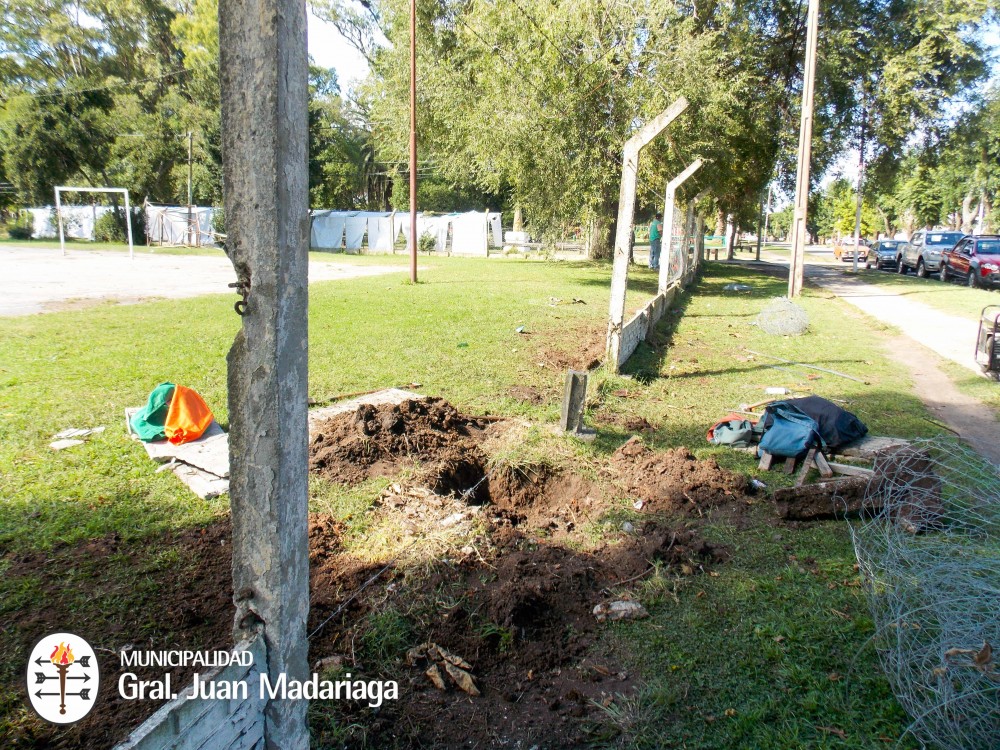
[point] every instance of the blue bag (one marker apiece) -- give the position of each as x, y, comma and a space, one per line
791, 432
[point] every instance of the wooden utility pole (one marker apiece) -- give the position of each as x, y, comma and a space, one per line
413, 141
799, 231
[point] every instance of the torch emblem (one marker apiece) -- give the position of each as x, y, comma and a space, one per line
62, 678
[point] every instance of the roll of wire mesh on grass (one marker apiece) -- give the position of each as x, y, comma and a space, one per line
928, 551
782, 317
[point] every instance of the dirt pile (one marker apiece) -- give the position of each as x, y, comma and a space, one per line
674, 480
382, 440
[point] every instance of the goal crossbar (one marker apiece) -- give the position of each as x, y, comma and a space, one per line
60, 189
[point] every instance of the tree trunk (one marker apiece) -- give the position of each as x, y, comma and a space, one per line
731, 232
518, 219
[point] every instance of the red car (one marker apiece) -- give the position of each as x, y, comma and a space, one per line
976, 259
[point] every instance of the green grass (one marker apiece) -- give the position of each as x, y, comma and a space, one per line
455, 333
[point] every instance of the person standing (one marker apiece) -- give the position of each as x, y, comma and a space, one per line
655, 241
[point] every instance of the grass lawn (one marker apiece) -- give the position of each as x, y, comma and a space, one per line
770, 652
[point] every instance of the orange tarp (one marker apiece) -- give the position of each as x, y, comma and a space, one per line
188, 416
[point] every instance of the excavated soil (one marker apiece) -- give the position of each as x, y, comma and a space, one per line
675, 481
383, 440
517, 606
587, 352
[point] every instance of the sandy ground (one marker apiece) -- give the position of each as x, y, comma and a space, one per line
950, 336
34, 280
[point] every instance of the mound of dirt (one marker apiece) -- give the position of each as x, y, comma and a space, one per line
674, 480
382, 440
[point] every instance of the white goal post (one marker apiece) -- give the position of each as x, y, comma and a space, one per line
68, 189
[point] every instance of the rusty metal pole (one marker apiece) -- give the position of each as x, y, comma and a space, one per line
413, 141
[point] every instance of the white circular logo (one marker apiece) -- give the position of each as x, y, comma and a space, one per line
63, 678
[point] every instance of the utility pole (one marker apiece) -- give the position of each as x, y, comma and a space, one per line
805, 151
413, 141
190, 200
861, 179
767, 211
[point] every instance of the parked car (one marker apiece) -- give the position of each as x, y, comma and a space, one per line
976, 259
883, 254
923, 252
845, 249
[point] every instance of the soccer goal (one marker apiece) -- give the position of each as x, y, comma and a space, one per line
68, 189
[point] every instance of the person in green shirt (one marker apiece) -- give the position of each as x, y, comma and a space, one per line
655, 240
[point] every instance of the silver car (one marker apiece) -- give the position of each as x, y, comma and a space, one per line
923, 252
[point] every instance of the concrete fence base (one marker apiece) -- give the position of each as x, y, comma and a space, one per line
638, 327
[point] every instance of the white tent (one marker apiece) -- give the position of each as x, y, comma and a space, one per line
180, 225
78, 221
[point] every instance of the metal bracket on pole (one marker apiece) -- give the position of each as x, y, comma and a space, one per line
626, 211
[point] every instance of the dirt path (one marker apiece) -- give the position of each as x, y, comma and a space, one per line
969, 417
34, 280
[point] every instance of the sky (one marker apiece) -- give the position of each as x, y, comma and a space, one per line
329, 49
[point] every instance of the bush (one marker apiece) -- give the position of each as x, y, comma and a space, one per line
21, 230
427, 242
110, 227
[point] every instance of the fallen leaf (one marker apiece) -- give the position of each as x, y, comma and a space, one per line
831, 730
984, 656
462, 678
434, 674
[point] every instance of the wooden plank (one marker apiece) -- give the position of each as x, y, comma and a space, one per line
807, 464
386, 396
789, 465
823, 465
853, 471
868, 446
766, 459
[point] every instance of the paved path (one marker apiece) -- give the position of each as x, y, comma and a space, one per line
34, 280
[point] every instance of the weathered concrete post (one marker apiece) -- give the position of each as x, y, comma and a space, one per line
668, 221
623, 235
264, 136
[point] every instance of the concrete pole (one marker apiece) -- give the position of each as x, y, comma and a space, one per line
263, 76
669, 201
191, 235
62, 234
413, 142
861, 179
805, 151
623, 233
